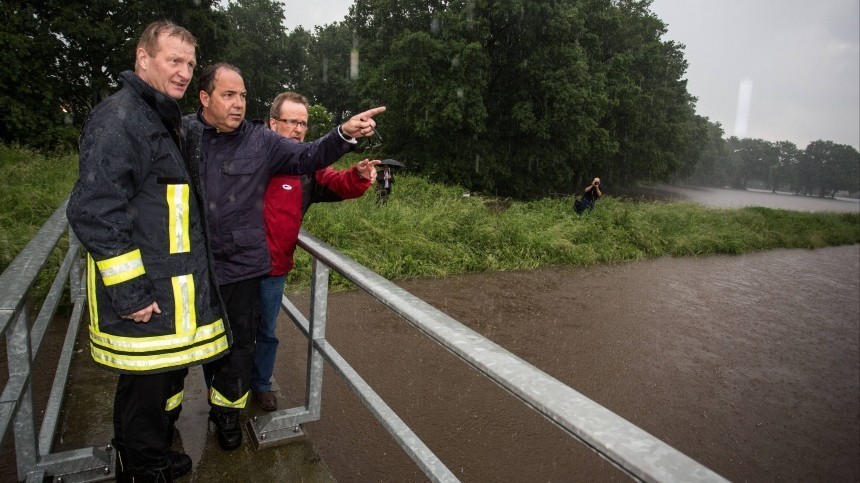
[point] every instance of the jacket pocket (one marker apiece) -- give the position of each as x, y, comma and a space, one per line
250, 246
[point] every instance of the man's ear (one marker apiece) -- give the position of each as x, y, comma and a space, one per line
272, 124
204, 98
142, 58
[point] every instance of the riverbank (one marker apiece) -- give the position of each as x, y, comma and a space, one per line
429, 230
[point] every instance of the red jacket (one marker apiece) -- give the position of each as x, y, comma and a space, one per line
289, 197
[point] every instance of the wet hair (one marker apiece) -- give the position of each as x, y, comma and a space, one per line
207, 78
288, 96
149, 38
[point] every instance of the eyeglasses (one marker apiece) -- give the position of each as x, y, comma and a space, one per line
292, 122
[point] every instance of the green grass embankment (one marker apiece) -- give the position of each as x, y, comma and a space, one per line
431, 230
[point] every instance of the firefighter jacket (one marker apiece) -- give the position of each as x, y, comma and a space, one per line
288, 199
135, 211
234, 169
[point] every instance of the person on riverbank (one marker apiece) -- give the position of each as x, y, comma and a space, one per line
234, 161
383, 187
287, 199
589, 196
153, 310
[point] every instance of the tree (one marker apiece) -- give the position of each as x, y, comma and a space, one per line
319, 122
33, 111
329, 74
257, 46
68, 55
527, 98
828, 167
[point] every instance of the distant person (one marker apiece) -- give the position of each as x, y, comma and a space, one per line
589, 197
287, 199
153, 307
383, 184
235, 160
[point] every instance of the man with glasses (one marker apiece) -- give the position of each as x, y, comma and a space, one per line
287, 200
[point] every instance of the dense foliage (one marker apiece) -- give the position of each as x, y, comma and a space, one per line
511, 97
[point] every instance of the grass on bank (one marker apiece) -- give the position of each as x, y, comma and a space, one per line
32, 187
431, 230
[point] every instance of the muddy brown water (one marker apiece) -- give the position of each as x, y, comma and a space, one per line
748, 364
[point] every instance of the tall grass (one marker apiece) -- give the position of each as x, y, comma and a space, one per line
33, 186
431, 230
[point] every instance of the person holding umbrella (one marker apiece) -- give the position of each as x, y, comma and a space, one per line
386, 179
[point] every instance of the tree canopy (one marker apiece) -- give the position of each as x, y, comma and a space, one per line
510, 97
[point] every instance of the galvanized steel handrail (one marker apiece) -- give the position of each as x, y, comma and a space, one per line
631, 449
34, 459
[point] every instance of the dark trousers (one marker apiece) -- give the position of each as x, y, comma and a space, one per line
231, 375
142, 425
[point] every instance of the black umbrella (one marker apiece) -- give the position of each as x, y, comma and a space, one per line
392, 162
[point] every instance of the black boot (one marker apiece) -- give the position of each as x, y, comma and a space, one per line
227, 426
120, 473
180, 464
161, 475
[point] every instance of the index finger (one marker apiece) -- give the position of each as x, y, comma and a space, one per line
372, 112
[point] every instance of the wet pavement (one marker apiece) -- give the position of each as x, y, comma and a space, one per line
88, 413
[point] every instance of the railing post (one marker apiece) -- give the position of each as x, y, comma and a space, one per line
75, 286
20, 360
318, 309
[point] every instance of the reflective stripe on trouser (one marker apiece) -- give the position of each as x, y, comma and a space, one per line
231, 374
142, 421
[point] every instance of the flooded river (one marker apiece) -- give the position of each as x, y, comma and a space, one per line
748, 364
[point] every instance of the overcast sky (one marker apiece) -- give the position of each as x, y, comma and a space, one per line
794, 65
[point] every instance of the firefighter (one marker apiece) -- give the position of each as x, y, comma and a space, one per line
153, 302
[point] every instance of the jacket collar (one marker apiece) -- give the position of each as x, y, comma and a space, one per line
166, 106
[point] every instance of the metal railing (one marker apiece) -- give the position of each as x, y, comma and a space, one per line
34, 460
629, 448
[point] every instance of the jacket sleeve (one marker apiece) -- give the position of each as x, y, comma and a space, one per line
99, 211
347, 184
289, 157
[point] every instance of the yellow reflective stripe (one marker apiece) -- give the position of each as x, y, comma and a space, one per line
174, 401
157, 343
122, 268
218, 399
183, 303
151, 362
92, 301
177, 218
